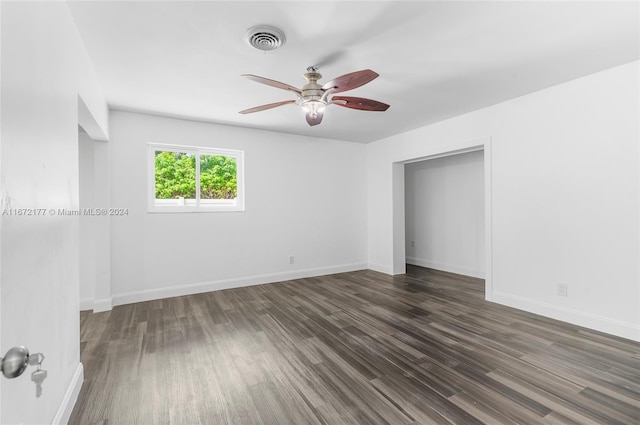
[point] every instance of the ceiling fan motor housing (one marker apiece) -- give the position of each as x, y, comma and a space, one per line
312, 98
312, 90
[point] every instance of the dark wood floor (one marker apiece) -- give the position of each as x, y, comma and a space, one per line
353, 348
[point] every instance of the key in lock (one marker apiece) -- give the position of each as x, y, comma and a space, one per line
14, 363
38, 376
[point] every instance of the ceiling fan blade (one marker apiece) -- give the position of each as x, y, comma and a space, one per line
350, 81
314, 120
272, 83
267, 106
359, 103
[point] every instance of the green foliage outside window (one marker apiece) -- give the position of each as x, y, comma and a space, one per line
175, 176
218, 177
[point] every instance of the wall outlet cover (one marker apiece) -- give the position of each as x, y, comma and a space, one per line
563, 289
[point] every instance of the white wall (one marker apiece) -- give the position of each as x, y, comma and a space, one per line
1, 197
86, 225
444, 213
564, 197
101, 228
95, 230
44, 70
304, 197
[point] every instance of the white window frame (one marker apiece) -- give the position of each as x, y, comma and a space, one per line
197, 205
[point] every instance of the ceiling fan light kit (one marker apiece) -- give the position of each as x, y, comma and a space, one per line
313, 97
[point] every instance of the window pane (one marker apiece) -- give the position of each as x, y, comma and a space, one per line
218, 177
175, 176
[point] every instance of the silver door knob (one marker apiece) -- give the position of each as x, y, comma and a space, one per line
14, 362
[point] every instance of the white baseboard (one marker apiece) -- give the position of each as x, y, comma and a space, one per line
445, 267
380, 268
105, 304
86, 304
198, 288
603, 324
70, 397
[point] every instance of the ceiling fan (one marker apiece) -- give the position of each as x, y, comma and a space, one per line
313, 97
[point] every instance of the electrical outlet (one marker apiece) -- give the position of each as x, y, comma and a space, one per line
413, 244
563, 289
291, 259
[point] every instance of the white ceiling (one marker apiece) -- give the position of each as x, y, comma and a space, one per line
436, 59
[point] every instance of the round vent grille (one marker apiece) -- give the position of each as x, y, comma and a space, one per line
263, 37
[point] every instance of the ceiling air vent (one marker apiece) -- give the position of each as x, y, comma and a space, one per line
264, 37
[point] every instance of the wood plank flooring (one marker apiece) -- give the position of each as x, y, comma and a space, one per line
352, 348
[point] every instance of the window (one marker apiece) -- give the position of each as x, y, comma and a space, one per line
185, 178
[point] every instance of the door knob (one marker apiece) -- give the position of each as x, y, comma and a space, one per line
14, 362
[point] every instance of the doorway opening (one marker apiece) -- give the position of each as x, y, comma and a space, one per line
444, 214
441, 248
94, 229
86, 225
